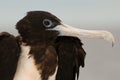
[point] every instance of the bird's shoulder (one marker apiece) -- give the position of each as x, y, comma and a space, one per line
9, 45
9, 54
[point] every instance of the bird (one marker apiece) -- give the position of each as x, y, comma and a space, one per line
45, 49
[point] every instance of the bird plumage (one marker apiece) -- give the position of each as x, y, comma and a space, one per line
45, 47
9, 54
70, 57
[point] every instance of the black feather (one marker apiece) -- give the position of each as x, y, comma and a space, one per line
70, 57
9, 54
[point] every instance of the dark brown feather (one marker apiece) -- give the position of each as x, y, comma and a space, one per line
70, 57
45, 59
9, 54
45, 48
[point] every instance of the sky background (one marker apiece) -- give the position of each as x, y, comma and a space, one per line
102, 60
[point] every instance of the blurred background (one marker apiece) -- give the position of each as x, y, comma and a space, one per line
102, 60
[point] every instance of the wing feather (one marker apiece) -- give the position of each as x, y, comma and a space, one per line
9, 54
71, 56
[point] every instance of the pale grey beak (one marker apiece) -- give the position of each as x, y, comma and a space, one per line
66, 30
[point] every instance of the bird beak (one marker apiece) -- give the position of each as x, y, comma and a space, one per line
66, 30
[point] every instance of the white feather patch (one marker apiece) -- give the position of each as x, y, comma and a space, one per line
26, 69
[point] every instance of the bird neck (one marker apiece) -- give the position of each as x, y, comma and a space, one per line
47, 37
33, 41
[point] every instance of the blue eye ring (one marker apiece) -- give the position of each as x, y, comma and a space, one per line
47, 23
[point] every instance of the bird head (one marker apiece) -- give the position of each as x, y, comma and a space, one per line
44, 26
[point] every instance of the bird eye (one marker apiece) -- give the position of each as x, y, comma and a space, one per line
47, 23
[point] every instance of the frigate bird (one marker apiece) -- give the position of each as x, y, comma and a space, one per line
45, 49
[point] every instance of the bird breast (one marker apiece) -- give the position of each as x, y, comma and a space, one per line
26, 68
